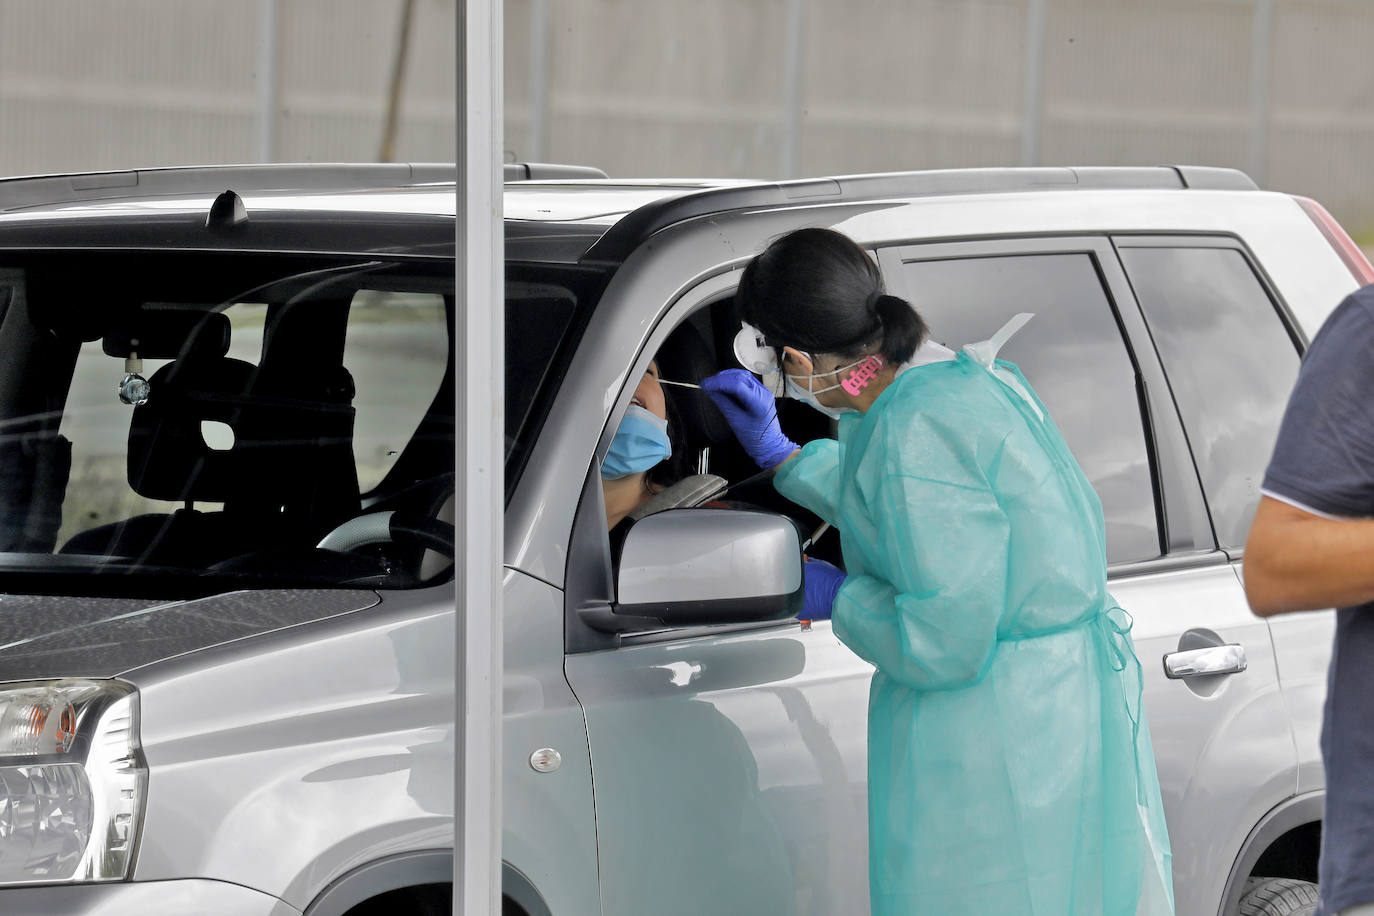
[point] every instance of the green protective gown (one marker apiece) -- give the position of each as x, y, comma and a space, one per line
1010, 768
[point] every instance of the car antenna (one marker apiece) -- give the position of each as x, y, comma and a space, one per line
227, 212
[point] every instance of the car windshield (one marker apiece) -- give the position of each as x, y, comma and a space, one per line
183, 423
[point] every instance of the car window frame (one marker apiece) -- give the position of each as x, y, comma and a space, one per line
589, 581
1220, 240
1182, 517
1223, 241
1184, 522
590, 283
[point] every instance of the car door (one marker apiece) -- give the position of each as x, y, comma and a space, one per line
1232, 353
728, 762
1222, 747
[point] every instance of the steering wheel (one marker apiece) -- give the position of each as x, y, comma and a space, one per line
391, 528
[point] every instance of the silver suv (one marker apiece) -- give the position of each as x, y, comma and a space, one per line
226, 479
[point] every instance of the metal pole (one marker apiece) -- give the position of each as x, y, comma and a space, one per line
1032, 100
479, 402
269, 28
794, 72
1261, 53
387, 151
539, 81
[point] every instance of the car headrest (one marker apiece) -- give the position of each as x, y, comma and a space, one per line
685, 357
278, 441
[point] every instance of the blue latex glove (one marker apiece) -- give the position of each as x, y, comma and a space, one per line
752, 412
822, 582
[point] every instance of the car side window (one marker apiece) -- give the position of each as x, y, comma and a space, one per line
396, 351
1231, 364
539, 316
1073, 354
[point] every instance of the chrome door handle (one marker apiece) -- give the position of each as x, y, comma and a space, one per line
1229, 659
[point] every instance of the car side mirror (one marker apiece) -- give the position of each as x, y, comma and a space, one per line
709, 566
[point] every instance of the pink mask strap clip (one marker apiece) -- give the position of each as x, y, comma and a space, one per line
862, 376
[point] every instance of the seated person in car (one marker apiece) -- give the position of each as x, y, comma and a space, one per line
649, 466
639, 465
643, 474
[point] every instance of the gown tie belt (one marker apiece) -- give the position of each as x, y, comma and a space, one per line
1112, 630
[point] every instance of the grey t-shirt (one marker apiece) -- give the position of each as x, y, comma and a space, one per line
1324, 463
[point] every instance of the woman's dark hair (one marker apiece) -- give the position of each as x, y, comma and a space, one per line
816, 290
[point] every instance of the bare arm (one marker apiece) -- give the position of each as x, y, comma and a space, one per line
1297, 561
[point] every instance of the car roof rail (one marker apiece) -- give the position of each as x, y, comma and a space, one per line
38, 190
627, 234
549, 171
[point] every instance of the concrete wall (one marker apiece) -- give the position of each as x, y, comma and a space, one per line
94, 84
644, 87
704, 87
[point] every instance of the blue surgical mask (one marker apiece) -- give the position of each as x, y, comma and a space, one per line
640, 443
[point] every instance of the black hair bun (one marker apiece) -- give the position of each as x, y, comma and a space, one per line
902, 328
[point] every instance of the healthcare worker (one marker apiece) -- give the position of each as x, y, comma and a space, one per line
1010, 768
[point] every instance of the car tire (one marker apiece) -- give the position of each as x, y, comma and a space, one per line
1278, 897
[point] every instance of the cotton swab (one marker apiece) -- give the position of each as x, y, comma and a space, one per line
815, 535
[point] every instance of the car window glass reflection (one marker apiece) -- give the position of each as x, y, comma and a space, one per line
1072, 352
396, 350
1231, 364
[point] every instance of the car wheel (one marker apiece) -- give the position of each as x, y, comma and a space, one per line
1278, 897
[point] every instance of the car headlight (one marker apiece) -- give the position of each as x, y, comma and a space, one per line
72, 781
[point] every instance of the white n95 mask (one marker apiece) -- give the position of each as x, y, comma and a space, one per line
798, 393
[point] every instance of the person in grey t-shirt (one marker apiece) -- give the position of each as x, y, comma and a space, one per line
1312, 546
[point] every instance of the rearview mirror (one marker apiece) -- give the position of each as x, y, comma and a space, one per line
157, 331
704, 566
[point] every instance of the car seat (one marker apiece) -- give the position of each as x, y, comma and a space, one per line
287, 478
